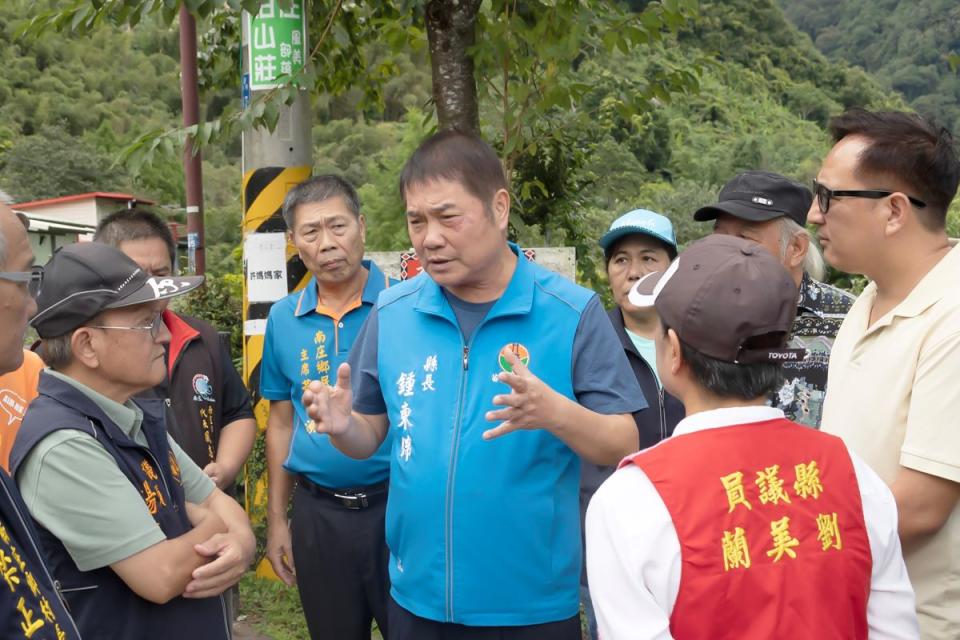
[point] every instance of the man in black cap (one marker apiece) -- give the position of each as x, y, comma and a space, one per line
29, 601
133, 527
771, 210
785, 534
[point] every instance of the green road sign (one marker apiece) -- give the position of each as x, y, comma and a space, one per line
277, 43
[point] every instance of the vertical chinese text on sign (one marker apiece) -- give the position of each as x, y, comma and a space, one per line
277, 42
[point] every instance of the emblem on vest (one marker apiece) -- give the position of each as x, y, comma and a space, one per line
202, 389
519, 350
12, 404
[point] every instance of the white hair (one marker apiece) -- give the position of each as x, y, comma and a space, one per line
813, 262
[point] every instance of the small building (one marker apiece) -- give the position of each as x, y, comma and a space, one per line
59, 221
46, 236
81, 208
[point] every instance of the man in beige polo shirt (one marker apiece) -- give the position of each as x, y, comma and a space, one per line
894, 378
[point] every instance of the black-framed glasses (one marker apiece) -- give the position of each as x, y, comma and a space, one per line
824, 195
153, 327
33, 279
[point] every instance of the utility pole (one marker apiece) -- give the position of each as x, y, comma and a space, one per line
274, 44
192, 162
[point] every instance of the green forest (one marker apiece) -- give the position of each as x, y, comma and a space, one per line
906, 46
764, 94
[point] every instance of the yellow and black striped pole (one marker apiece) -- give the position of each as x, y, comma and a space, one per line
263, 193
273, 162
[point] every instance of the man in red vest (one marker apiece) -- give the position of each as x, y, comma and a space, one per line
743, 525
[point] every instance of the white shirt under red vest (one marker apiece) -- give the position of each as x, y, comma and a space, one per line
634, 559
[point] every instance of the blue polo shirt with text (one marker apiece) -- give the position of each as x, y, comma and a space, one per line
305, 342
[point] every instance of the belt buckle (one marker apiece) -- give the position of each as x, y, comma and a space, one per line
355, 501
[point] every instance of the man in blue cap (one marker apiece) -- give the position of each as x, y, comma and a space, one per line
638, 243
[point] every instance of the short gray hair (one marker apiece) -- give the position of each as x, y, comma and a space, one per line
57, 352
813, 262
319, 189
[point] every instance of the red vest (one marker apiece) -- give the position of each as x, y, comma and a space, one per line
771, 530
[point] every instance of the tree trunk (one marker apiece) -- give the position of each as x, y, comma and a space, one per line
451, 31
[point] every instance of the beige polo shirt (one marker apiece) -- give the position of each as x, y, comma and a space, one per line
894, 398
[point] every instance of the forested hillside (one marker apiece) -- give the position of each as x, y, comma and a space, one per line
69, 104
904, 44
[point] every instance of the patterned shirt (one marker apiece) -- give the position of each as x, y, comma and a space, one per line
820, 311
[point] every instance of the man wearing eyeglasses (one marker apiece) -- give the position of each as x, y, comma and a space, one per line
29, 599
140, 539
882, 198
212, 420
18, 385
771, 210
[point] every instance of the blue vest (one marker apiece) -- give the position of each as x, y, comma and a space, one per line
29, 601
103, 606
480, 533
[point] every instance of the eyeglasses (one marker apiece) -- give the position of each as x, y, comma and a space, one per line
33, 279
153, 327
824, 195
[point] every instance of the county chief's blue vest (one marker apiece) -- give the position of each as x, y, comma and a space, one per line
480, 532
103, 606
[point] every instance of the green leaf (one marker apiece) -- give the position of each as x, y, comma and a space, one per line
168, 13
953, 59
271, 115
79, 16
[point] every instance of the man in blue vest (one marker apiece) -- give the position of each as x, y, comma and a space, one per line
333, 546
482, 520
29, 600
141, 540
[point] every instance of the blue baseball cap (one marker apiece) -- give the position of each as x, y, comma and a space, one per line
642, 221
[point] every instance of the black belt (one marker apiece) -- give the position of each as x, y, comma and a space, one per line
358, 498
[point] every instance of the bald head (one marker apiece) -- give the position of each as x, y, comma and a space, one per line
16, 304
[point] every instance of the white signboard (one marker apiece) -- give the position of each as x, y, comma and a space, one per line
265, 266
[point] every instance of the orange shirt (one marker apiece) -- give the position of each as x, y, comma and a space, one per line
17, 389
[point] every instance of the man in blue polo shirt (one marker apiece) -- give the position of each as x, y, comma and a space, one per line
333, 547
493, 375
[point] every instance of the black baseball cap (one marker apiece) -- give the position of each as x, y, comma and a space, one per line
759, 196
85, 278
728, 298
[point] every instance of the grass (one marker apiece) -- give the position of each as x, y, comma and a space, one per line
273, 609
